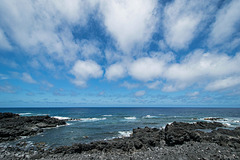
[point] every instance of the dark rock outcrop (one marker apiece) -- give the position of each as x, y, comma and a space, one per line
176, 133
12, 126
195, 142
179, 132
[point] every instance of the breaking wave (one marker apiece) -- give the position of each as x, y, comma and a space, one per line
130, 118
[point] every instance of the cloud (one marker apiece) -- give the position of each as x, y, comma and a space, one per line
115, 71
226, 24
154, 85
200, 67
130, 23
3, 76
46, 83
113, 56
45, 26
140, 93
146, 69
83, 70
101, 93
129, 85
59, 92
89, 49
4, 44
182, 21
193, 94
7, 88
34, 64
27, 78
223, 84
8, 62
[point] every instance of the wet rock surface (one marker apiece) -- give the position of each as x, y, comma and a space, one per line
177, 140
13, 126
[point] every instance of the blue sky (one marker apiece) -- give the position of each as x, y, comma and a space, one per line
119, 53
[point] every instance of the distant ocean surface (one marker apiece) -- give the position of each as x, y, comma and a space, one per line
107, 123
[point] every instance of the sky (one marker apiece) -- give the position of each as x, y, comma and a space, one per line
78, 53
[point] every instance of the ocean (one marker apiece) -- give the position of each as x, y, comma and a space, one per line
94, 124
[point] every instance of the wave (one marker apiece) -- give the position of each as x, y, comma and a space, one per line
62, 118
149, 116
107, 115
122, 134
228, 122
91, 119
23, 114
42, 114
130, 118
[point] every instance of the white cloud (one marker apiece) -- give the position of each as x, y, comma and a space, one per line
129, 85
4, 44
44, 26
200, 64
173, 86
89, 49
200, 68
226, 24
153, 85
34, 64
183, 20
146, 69
162, 45
129, 22
113, 56
115, 71
223, 83
3, 76
140, 93
27, 78
48, 84
193, 94
7, 88
83, 70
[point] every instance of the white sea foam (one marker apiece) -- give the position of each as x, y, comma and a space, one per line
42, 114
130, 118
122, 134
22, 114
107, 115
62, 118
227, 124
149, 116
236, 121
91, 119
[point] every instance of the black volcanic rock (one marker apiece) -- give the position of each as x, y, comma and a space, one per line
8, 115
176, 133
12, 126
180, 132
177, 139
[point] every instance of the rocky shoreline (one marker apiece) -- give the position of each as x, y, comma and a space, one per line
13, 126
178, 140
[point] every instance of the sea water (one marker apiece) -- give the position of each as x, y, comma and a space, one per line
92, 124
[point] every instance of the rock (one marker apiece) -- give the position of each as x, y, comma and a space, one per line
8, 115
178, 132
12, 126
